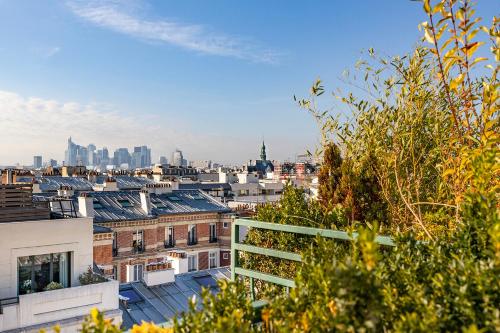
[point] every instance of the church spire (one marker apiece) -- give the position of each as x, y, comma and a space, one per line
263, 152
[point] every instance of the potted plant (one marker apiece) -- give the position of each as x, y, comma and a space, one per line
53, 286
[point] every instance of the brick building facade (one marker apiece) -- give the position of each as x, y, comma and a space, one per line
205, 237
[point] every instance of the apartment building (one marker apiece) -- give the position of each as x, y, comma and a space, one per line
41, 262
139, 228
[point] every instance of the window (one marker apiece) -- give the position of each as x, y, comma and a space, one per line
125, 203
135, 272
36, 272
212, 259
115, 244
115, 272
137, 241
169, 237
198, 196
192, 239
97, 204
174, 198
212, 233
192, 263
225, 225
225, 255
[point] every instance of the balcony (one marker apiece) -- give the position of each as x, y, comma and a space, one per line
136, 249
191, 242
49, 307
169, 244
212, 239
115, 252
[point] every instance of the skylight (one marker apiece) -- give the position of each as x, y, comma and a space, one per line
125, 203
97, 204
174, 198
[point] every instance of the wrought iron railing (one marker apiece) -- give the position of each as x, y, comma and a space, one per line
237, 247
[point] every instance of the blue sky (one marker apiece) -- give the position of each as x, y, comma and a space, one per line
209, 77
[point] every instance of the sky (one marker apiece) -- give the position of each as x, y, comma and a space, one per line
212, 78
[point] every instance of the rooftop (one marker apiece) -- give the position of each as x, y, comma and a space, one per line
126, 205
161, 303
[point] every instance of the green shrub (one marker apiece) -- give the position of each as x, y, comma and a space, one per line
53, 286
89, 277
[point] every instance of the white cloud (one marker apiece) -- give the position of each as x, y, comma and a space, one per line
52, 51
110, 14
36, 126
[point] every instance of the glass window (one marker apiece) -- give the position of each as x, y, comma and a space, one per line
212, 233
192, 263
137, 241
169, 237
212, 259
36, 272
192, 234
138, 272
125, 203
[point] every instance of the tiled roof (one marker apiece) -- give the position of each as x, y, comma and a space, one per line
161, 303
52, 183
127, 182
126, 205
205, 186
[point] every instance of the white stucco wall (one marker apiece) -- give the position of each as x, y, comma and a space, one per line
42, 237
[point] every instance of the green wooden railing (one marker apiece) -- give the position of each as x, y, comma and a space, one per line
237, 247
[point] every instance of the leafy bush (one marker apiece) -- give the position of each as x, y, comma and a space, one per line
53, 286
89, 277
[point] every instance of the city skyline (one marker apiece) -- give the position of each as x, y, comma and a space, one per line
173, 74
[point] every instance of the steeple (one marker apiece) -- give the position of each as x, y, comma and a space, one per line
263, 152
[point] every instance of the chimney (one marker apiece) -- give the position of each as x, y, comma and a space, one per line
36, 187
145, 201
110, 184
86, 205
65, 191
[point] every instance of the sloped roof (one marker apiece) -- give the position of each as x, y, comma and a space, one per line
161, 303
52, 183
126, 205
127, 182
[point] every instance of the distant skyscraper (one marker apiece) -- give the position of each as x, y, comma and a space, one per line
92, 157
37, 162
71, 152
177, 158
121, 157
52, 163
163, 160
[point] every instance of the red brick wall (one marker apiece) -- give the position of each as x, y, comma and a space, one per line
103, 254
203, 260
180, 232
123, 272
224, 231
124, 239
150, 237
225, 262
160, 234
203, 230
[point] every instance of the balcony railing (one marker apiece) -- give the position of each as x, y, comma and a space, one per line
115, 252
212, 239
169, 244
237, 247
192, 242
138, 249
